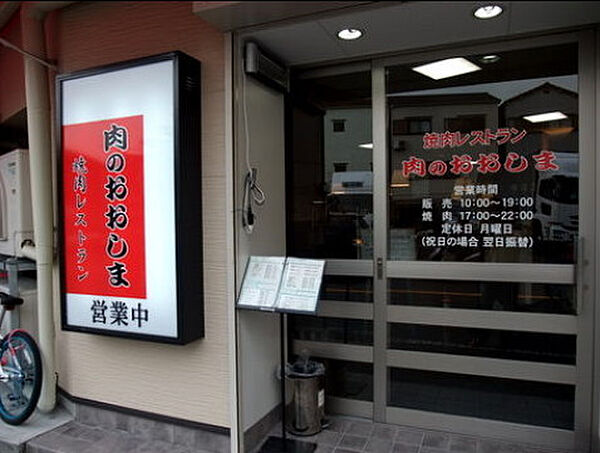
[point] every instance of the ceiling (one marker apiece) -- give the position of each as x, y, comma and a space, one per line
400, 26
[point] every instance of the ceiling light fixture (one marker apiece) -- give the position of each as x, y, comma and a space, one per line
488, 11
543, 117
366, 146
486, 59
349, 34
447, 68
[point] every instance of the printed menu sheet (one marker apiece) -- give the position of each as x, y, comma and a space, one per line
261, 282
280, 284
300, 285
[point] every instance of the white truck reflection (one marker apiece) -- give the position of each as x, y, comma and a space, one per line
557, 196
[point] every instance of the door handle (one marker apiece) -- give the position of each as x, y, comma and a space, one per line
379, 264
579, 263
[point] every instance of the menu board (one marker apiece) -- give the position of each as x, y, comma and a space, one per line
282, 284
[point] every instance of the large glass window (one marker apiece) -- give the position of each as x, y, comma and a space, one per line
329, 208
484, 166
330, 182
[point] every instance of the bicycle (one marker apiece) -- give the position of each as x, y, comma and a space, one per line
20, 370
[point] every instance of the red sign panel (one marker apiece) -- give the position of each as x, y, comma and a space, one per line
103, 193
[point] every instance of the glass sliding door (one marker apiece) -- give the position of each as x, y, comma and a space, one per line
330, 216
483, 226
453, 213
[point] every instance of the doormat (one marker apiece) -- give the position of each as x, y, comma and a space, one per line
276, 445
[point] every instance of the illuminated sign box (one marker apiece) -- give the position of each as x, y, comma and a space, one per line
131, 199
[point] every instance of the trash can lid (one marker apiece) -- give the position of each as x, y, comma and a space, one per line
305, 369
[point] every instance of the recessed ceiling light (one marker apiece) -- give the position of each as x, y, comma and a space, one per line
349, 34
543, 117
488, 11
489, 59
447, 68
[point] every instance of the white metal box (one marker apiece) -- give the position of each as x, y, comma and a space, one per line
16, 220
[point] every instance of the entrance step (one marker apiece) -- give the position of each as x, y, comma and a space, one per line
103, 428
14, 438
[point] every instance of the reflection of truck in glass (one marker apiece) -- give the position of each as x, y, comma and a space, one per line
557, 200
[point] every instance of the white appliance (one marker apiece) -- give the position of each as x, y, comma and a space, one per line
16, 220
352, 182
26, 315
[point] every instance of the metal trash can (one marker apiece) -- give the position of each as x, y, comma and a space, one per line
305, 397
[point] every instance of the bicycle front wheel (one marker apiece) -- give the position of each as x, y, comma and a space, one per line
22, 381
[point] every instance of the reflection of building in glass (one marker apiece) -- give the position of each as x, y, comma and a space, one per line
438, 113
340, 223
534, 203
553, 135
331, 156
410, 119
342, 149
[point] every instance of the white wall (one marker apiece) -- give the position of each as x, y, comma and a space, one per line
258, 333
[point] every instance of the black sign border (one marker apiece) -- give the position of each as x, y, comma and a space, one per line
188, 196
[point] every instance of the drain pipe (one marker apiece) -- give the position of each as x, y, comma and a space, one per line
40, 162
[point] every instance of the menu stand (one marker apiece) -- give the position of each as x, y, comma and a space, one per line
271, 284
282, 444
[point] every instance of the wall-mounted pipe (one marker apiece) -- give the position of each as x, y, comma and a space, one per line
40, 162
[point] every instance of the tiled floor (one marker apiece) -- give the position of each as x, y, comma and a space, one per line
350, 435
77, 437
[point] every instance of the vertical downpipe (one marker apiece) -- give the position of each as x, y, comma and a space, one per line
40, 161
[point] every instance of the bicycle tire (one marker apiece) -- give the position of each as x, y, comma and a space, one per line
14, 346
